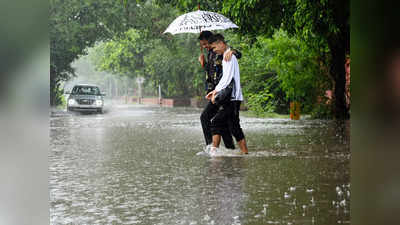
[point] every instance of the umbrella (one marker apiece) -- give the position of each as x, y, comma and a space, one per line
199, 20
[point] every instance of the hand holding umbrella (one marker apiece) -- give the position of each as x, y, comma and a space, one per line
195, 22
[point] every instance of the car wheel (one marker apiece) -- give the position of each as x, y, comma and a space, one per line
100, 111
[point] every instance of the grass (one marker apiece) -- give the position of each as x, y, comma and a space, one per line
264, 115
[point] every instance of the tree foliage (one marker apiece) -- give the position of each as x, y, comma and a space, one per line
259, 17
186, 6
124, 55
171, 65
316, 21
298, 70
322, 24
279, 69
291, 48
169, 61
75, 25
294, 64
175, 67
261, 88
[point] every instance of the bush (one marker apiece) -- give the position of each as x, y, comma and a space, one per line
321, 111
261, 102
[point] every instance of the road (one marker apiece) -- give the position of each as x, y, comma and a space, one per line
138, 165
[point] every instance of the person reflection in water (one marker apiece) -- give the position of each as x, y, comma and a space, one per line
226, 191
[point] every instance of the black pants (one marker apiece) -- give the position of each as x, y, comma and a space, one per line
208, 113
228, 114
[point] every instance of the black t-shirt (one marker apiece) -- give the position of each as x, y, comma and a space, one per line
214, 69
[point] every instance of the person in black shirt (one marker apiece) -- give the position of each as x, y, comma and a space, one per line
213, 68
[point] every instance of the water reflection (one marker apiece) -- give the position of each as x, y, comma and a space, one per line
138, 165
224, 196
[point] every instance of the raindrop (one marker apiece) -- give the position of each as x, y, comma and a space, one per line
312, 201
286, 195
292, 188
310, 190
343, 203
264, 211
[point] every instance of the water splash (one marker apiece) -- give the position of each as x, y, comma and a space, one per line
211, 151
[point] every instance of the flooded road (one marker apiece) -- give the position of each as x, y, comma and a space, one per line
138, 165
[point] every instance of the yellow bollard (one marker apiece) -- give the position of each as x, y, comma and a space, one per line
295, 110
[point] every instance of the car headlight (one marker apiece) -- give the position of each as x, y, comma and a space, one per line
71, 101
99, 102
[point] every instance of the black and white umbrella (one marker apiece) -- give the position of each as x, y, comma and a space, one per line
197, 21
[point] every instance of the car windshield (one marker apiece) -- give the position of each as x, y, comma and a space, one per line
85, 90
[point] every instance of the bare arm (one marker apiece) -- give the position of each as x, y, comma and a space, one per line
235, 52
202, 60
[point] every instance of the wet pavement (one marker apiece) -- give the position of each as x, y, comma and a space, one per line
138, 165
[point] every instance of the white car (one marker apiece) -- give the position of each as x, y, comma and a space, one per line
85, 98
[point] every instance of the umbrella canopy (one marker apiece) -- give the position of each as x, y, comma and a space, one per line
196, 21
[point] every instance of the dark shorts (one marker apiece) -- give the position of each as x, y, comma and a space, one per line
228, 114
208, 113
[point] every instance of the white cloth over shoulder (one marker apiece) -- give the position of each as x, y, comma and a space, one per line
230, 70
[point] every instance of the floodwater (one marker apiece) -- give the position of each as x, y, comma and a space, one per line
139, 165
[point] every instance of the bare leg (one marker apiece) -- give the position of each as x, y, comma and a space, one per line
216, 140
243, 146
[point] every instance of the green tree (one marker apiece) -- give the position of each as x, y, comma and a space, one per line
323, 24
298, 70
161, 59
261, 86
277, 70
124, 55
175, 67
191, 5
75, 25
